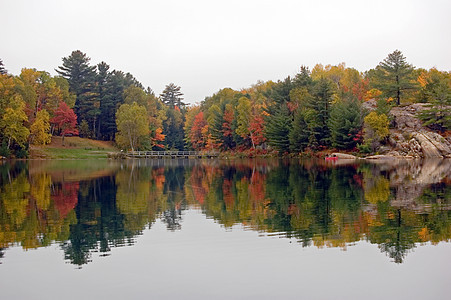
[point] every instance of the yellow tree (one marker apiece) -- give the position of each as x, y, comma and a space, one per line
40, 129
132, 125
156, 112
12, 122
375, 129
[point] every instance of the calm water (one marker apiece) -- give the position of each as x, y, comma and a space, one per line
253, 229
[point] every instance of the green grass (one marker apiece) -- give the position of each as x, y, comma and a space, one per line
75, 148
74, 153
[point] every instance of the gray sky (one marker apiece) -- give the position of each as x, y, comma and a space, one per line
204, 46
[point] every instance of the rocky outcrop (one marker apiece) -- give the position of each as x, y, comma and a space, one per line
405, 118
409, 178
430, 146
409, 138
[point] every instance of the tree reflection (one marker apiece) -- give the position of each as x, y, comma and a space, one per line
311, 202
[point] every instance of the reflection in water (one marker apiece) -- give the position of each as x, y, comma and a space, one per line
91, 207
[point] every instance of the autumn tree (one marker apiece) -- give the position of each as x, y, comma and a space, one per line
198, 134
12, 122
190, 115
244, 115
132, 125
65, 120
28, 88
156, 113
375, 130
394, 76
40, 129
42, 91
250, 122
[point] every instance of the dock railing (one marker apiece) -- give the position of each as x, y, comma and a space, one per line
171, 154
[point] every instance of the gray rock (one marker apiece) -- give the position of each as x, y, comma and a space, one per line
343, 156
380, 157
370, 105
410, 137
428, 149
405, 120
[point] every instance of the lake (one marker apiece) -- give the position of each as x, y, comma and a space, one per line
225, 229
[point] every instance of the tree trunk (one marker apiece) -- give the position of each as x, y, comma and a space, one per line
252, 140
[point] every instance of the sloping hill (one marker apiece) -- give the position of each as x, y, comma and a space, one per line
74, 148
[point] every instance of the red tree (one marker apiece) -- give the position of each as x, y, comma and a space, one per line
257, 129
65, 197
198, 134
227, 131
65, 120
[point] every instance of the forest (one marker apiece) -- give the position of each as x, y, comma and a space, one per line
313, 110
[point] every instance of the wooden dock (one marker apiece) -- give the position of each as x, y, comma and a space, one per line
171, 154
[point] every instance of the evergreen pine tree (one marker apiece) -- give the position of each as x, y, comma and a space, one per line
394, 75
171, 96
303, 79
319, 111
81, 77
345, 123
299, 136
2, 68
278, 129
438, 94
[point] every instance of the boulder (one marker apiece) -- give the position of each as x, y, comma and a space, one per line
428, 149
343, 156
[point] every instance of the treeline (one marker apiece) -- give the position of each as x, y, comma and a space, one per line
318, 109
314, 110
86, 100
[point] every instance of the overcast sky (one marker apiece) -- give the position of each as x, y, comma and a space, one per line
204, 46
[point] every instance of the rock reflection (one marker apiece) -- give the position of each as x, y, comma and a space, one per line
88, 207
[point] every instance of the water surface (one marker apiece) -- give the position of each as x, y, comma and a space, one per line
211, 229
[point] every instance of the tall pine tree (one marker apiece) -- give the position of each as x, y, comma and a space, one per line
278, 128
319, 106
394, 76
81, 77
345, 123
173, 125
171, 96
